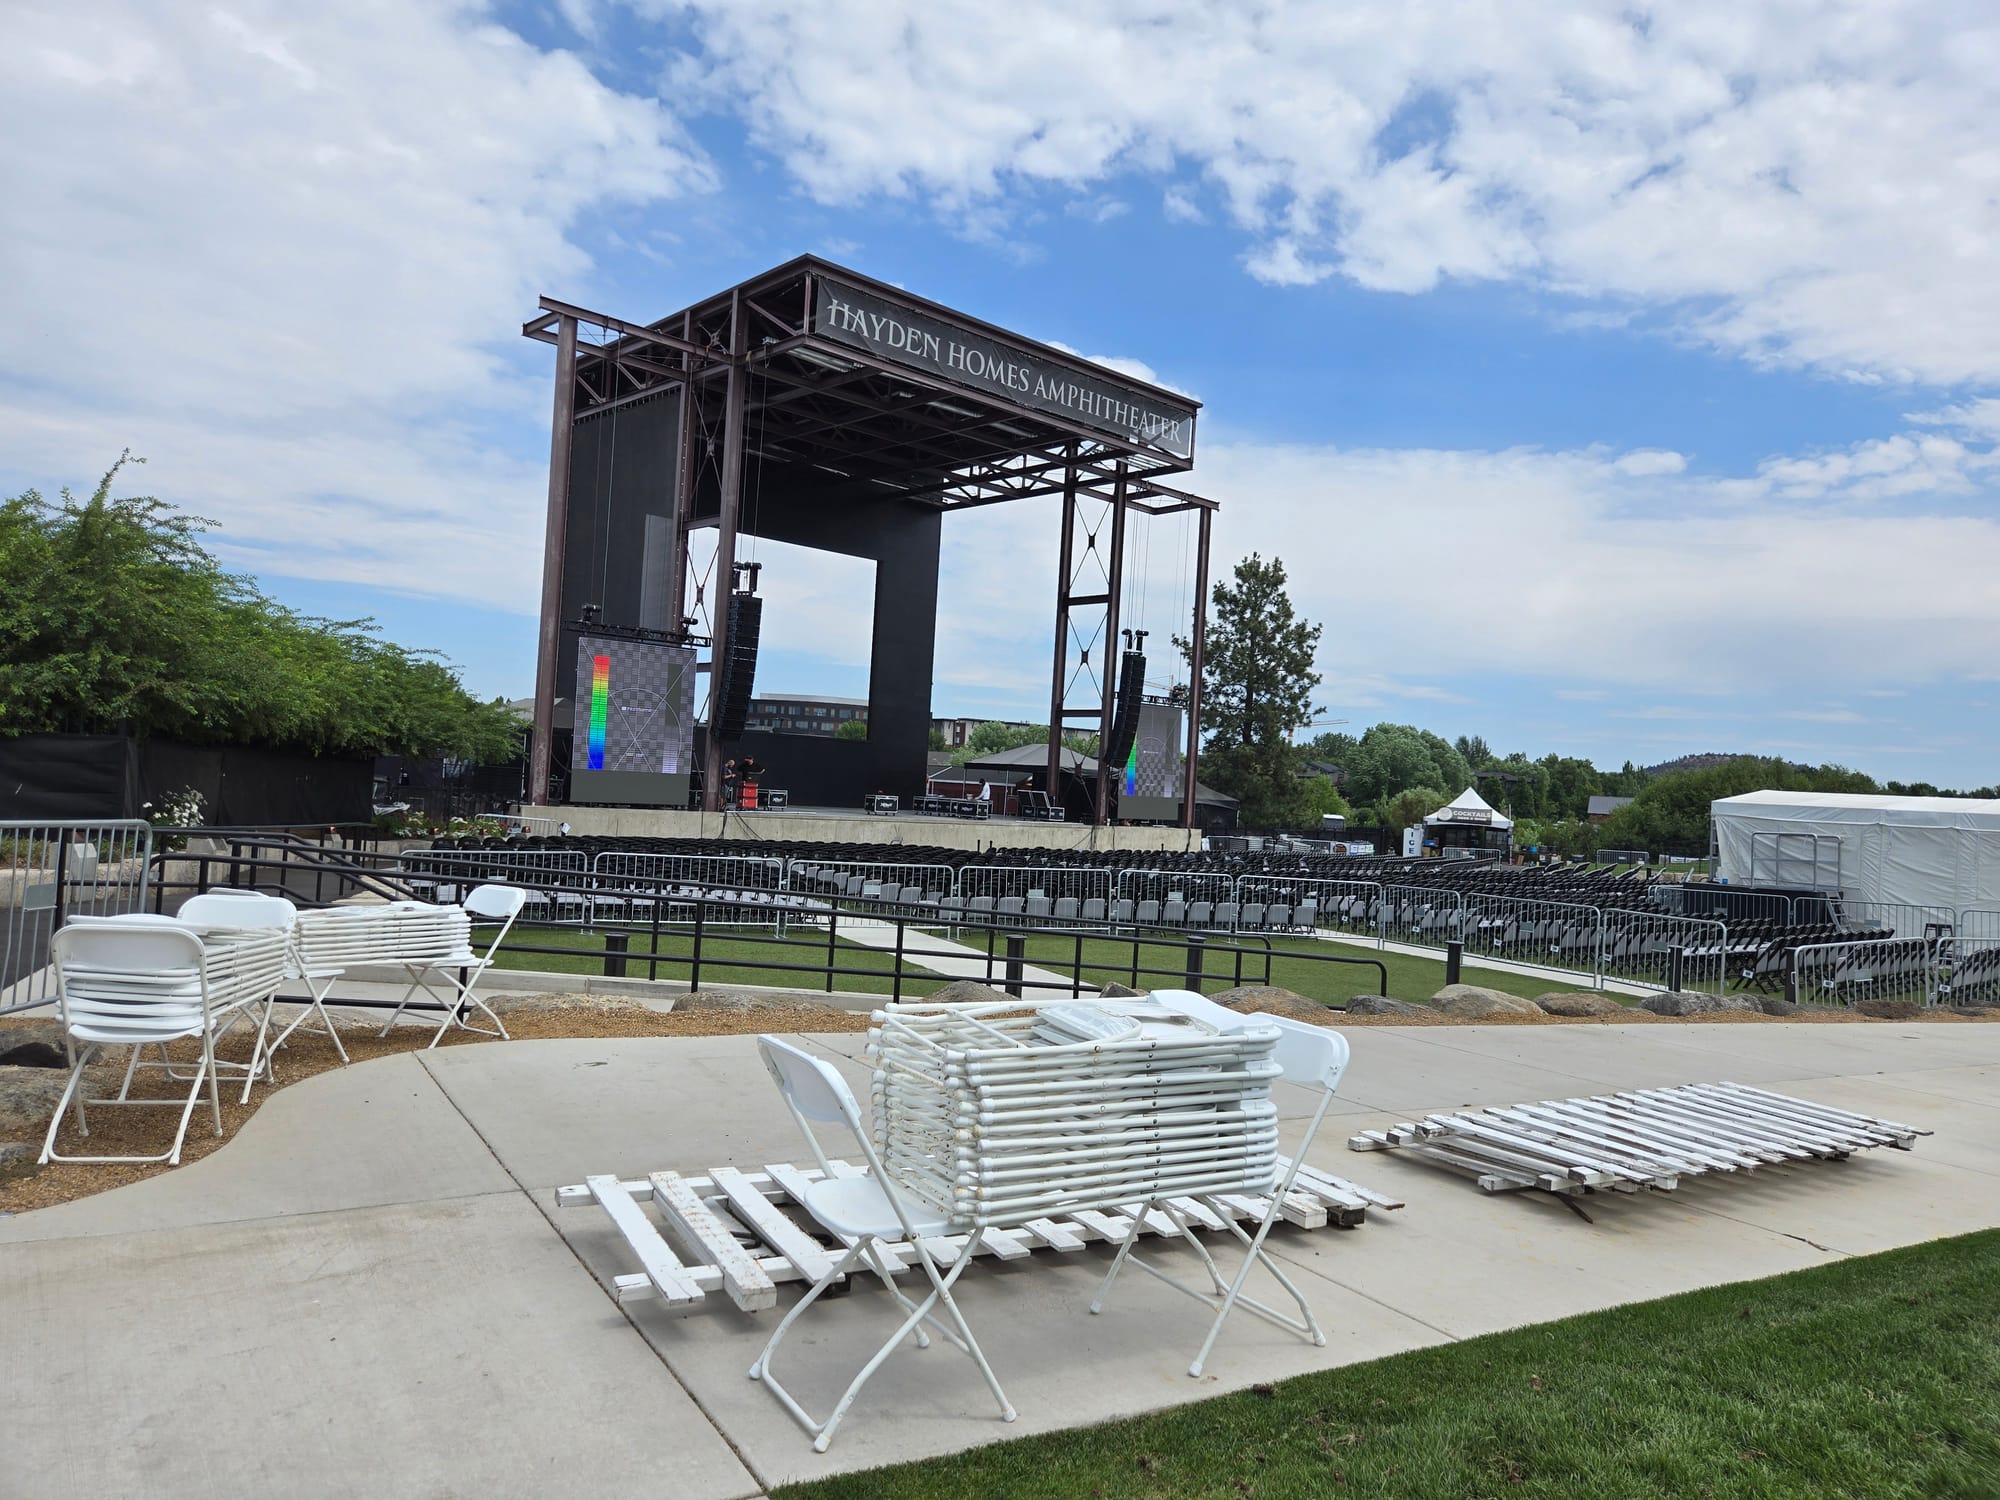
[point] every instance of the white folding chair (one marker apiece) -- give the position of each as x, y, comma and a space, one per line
142, 984
1309, 1056
865, 1213
245, 911
456, 962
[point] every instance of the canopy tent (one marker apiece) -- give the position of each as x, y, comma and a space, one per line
1916, 851
1469, 808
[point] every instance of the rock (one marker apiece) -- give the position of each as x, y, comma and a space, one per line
1777, 1005
537, 1005
1686, 1003
1888, 1010
1382, 1005
28, 1098
1117, 991
18, 1158
34, 1055
1271, 998
1983, 1010
1579, 1003
48, 1033
1472, 1002
971, 992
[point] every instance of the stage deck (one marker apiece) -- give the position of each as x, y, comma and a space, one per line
839, 825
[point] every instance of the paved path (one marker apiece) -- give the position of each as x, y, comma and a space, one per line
369, 1292
943, 955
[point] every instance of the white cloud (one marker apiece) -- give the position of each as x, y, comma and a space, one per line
1808, 181
284, 252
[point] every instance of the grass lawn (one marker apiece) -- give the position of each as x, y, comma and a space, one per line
1410, 978
724, 960
1872, 1377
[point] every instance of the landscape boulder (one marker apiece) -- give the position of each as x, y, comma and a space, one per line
1888, 1010
1579, 1003
1382, 1005
1117, 991
28, 1098
1273, 999
971, 992
1777, 1005
1472, 1002
1688, 1003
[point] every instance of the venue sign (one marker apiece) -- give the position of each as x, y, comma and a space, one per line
981, 361
1462, 815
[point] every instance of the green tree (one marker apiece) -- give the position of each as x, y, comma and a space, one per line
937, 738
1475, 751
115, 619
851, 729
1392, 758
1670, 812
1257, 686
1409, 808
1323, 797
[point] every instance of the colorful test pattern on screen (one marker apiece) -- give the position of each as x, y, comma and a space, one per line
600, 708
634, 706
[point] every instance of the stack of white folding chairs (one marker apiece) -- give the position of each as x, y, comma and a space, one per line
995, 1114
427, 942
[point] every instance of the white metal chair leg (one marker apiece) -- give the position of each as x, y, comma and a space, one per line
1118, 1260
396, 1015
326, 1027
71, 1092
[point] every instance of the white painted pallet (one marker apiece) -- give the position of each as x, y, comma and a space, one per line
1651, 1138
737, 1240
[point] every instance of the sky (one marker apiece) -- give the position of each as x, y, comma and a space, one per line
1620, 381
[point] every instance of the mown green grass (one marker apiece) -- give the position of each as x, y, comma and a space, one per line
724, 960
1875, 1377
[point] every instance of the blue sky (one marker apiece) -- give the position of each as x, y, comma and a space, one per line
1621, 386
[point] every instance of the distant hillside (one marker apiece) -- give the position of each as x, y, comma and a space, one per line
1699, 762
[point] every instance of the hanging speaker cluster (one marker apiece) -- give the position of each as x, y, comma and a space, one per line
738, 668
1125, 711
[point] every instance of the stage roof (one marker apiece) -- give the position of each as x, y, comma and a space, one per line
879, 392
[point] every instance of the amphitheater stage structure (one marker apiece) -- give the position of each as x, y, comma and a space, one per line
828, 825
818, 407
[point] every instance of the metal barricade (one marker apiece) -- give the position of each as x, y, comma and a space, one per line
875, 886
1621, 857
1350, 906
50, 872
1969, 965
1424, 915
1547, 934
1639, 947
1033, 896
1844, 974
1200, 899
1720, 903
1897, 919
639, 890
553, 878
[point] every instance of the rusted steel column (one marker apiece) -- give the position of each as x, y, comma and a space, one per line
1113, 660
725, 549
1198, 640
1053, 786
549, 646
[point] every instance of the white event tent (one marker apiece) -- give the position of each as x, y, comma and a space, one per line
1918, 851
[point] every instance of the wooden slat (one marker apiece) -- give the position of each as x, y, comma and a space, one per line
662, 1266
748, 1287
1055, 1235
758, 1212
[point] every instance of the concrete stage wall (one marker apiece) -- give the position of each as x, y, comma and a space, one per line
824, 828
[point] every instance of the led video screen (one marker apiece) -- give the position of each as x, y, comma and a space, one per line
632, 735
1149, 784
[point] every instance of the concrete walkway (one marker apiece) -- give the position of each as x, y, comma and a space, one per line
943, 955
370, 1292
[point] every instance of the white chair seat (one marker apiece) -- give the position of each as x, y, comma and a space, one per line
854, 1206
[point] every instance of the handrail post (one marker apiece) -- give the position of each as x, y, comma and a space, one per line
694, 963
1454, 960
896, 975
1017, 948
1196, 944
832, 921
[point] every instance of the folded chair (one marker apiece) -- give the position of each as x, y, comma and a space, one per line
1309, 1056
250, 910
436, 942
865, 1213
122, 983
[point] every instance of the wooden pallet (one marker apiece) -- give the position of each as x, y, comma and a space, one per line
1649, 1139
739, 1242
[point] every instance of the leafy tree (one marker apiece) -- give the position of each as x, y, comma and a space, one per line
851, 729
1670, 813
1257, 685
992, 737
1409, 808
1473, 748
1392, 758
115, 619
937, 738
1323, 797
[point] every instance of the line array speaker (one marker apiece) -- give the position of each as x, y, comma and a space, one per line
738, 668
1125, 711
